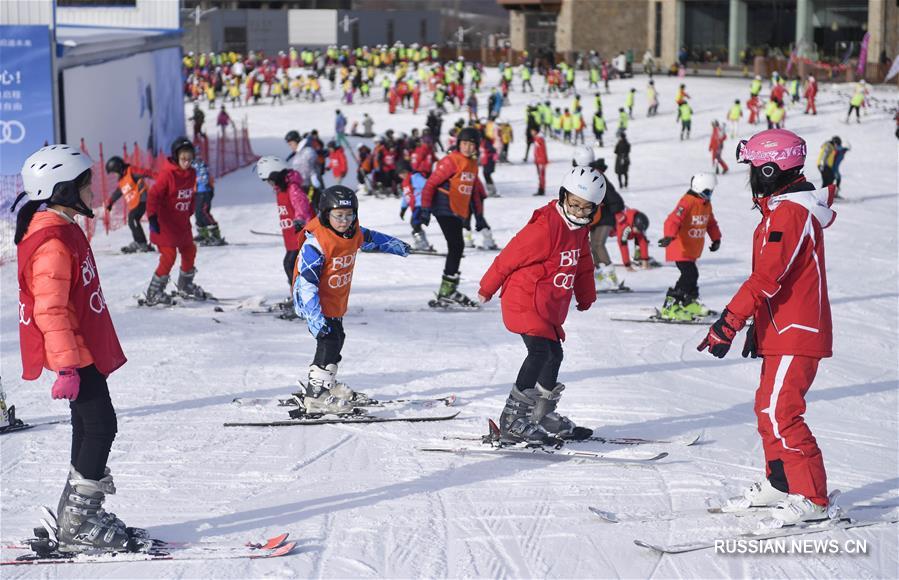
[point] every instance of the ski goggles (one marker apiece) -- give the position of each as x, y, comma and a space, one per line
344, 219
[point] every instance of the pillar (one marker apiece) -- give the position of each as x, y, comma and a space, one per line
736, 31
804, 30
679, 18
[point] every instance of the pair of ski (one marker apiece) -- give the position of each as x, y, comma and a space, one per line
43, 552
657, 318
15, 424
492, 444
364, 415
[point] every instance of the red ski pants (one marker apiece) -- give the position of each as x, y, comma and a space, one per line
792, 456
810, 106
167, 258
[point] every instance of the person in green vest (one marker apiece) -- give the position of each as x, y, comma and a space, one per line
622, 120
778, 115
629, 102
576, 103
594, 77
599, 127
440, 97
597, 104
557, 123
769, 109
756, 87
569, 77
546, 117
685, 113
855, 104
794, 89
526, 77
734, 116
385, 85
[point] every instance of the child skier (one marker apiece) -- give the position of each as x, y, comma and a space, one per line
170, 203
716, 146
321, 292
540, 269
294, 209
602, 225
632, 224
685, 231
209, 234
540, 160
450, 193
337, 161
786, 295
132, 185
412, 184
65, 326
685, 115
622, 159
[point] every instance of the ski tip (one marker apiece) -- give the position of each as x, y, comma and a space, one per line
494, 428
273, 543
281, 551
647, 545
604, 515
696, 438
662, 455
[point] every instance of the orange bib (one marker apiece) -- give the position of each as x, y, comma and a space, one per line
461, 184
132, 190
337, 273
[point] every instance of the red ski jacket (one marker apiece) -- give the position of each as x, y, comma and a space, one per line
337, 163
171, 199
422, 159
625, 231
688, 225
540, 150
539, 270
787, 291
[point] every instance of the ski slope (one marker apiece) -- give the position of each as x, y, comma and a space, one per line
361, 500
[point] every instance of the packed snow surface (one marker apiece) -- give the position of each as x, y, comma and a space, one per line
362, 500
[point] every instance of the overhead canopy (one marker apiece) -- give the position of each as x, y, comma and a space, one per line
77, 45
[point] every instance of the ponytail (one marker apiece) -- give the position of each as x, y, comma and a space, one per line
23, 219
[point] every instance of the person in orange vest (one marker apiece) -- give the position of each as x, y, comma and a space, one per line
392, 99
681, 96
65, 327
132, 185
716, 145
321, 292
452, 191
685, 232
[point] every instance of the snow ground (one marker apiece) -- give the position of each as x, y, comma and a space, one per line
362, 501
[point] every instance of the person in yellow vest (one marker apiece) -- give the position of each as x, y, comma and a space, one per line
755, 88
567, 126
778, 116
557, 123
769, 109
578, 126
629, 102
276, 91
734, 116
599, 127
622, 120
855, 104
685, 114
234, 93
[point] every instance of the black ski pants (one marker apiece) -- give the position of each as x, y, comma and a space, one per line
542, 363
203, 211
451, 226
290, 260
94, 424
688, 282
328, 347
134, 217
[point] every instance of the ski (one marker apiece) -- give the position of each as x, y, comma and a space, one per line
541, 451
705, 321
271, 234
448, 401
349, 420
22, 426
47, 554
843, 523
686, 440
427, 253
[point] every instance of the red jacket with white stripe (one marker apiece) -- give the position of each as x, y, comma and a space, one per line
787, 291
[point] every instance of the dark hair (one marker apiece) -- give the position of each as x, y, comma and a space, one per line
64, 193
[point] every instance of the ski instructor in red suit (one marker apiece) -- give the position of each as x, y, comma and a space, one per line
786, 294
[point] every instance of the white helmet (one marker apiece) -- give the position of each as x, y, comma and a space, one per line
583, 156
268, 165
51, 165
587, 184
703, 184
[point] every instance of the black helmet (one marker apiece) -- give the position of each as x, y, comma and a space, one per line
835, 140
179, 144
469, 134
338, 197
116, 164
292, 136
332, 144
641, 222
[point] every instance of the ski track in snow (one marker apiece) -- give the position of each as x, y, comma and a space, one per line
360, 499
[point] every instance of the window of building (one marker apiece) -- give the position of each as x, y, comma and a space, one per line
705, 31
354, 31
658, 36
235, 39
423, 31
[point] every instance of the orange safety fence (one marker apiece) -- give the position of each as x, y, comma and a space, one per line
223, 154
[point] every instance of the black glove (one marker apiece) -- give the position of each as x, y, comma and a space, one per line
721, 334
298, 225
154, 224
424, 216
108, 208
715, 245
479, 222
402, 213
750, 348
663, 243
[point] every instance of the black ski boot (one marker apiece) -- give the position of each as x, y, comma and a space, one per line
520, 422
187, 288
156, 293
83, 524
554, 423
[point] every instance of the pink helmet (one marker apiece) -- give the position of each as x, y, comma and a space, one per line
785, 148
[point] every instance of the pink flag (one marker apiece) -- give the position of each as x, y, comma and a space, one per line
863, 55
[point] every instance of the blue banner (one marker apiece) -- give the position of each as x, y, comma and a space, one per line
26, 94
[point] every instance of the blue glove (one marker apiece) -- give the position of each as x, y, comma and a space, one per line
154, 224
424, 215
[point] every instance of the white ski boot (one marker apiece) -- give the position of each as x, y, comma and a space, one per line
759, 494
342, 391
316, 396
83, 524
796, 509
487, 242
469, 239
187, 288
518, 423
156, 293
420, 242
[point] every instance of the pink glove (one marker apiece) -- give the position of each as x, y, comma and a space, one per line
66, 385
